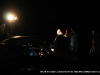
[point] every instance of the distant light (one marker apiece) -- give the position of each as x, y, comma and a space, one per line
41, 49
52, 49
41, 54
11, 17
48, 52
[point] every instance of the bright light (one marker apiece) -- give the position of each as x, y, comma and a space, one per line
42, 54
10, 17
52, 49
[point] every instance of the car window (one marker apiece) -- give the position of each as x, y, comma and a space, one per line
34, 43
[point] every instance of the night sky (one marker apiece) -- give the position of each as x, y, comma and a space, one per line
45, 17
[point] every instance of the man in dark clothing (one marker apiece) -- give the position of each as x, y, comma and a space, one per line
62, 44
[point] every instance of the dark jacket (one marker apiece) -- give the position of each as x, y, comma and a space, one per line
62, 44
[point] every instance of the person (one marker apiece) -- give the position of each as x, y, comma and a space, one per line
85, 42
62, 43
74, 40
62, 47
95, 49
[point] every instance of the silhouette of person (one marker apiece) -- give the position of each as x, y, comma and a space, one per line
62, 43
62, 47
85, 42
74, 40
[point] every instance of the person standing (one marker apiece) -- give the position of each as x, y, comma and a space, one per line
62, 44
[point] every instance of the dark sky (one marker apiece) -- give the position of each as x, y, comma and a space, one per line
46, 16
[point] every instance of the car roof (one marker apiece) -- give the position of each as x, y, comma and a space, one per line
19, 39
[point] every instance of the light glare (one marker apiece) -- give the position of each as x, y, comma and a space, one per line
11, 17
52, 49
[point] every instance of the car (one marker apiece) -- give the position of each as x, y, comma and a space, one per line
25, 53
